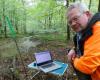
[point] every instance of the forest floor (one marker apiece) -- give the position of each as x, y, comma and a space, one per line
11, 64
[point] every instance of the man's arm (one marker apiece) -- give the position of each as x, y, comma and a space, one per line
90, 61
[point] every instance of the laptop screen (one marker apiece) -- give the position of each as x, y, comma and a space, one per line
42, 57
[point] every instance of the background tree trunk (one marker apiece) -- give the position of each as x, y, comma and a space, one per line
4, 22
68, 28
99, 6
90, 4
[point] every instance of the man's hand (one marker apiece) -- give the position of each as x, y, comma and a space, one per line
71, 55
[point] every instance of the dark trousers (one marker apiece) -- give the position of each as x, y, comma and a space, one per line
82, 76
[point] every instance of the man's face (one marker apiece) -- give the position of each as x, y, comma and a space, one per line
77, 20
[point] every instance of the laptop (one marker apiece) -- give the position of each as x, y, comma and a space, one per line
45, 63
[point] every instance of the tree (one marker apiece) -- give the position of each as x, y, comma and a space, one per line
68, 28
99, 6
4, 22
24, 17
90, 4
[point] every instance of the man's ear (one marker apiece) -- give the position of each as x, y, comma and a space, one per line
88, 13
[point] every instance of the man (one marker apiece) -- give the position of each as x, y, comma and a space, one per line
85, 57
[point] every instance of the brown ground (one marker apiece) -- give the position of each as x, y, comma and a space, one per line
11, 68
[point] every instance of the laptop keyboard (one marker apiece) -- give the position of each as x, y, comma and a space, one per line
48, 65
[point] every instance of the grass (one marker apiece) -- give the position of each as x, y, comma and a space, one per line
49, 37
8, 47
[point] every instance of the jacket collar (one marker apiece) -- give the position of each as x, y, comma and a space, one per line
88, 31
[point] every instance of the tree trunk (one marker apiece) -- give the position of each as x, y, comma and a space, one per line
68, 28
73, 0
16, 25
90, 4
99, 6
67, 3
49, 22
24, 17
4, 22
24, 22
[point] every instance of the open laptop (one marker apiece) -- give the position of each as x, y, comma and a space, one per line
44, 61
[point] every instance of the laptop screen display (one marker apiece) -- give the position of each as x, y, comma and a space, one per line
43, 57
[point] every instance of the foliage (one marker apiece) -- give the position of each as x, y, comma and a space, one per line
39, 17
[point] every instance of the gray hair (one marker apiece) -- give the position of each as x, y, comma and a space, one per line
81, 6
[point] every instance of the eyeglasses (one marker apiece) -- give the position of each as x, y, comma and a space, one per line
74, 19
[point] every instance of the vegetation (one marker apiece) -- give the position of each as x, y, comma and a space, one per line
43, 20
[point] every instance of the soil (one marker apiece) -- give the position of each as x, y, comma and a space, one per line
11, 62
